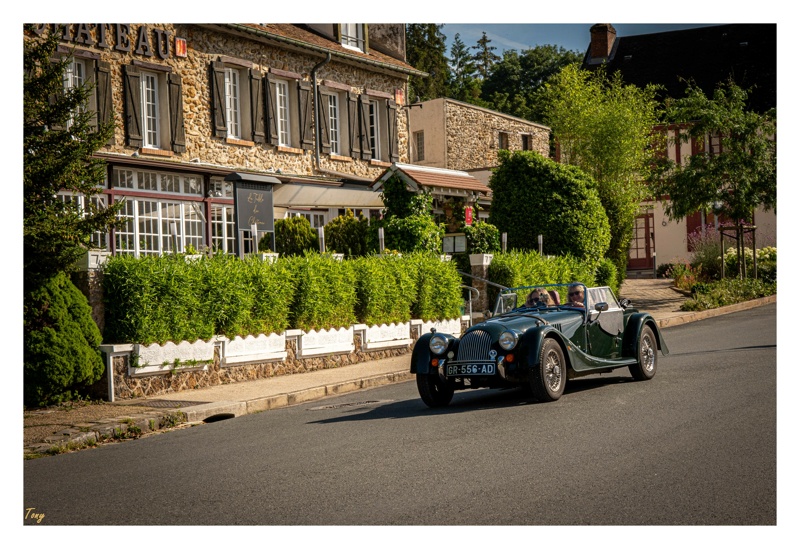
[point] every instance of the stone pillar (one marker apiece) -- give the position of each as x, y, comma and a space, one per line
89, 280
479, 264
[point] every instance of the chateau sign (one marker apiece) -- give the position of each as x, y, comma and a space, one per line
144, 41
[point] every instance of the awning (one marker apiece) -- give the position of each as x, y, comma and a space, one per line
318, 196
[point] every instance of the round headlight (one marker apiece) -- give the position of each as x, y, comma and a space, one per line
507, 340
438, 344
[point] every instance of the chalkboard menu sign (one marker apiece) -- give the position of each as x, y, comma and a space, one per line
252, 203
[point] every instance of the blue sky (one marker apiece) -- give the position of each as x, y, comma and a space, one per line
521, 36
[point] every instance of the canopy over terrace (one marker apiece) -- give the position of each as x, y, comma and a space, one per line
439, 182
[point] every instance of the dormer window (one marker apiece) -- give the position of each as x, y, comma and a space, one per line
352, 36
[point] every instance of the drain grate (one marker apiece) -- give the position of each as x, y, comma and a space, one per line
167, 403
349, 404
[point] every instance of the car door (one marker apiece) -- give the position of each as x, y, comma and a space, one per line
604, 330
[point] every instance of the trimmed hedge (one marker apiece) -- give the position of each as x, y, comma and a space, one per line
518, 268
159, 299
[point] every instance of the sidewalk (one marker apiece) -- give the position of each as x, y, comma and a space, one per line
131, 418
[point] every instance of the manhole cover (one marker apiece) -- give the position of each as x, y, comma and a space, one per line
349, 404
167, 403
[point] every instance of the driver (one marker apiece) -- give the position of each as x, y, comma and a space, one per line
575, 295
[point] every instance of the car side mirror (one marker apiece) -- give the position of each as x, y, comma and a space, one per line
601, 307
624, 302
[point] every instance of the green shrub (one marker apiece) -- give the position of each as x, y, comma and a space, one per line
606, 275
533, 195
385, 289
415, 233
347, 234
438, 287
61, 344
326, 292
727, 292
526, 268
766, 257
684, 276
294, 236
482, 238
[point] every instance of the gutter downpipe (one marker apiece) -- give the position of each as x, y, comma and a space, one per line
316, 106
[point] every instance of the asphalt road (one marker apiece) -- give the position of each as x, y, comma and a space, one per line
696, 445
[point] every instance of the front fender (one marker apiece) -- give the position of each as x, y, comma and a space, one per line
421, 354
531, 348
630, 340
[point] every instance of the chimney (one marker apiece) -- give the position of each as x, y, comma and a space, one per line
603, 36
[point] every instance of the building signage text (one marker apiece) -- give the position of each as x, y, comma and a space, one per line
144, 41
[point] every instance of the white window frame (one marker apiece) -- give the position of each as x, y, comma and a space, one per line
334, 127
151, 119
233, 102
374, 126
74, 77
99, 238
316, 218
352, 36
223, 228
283, 108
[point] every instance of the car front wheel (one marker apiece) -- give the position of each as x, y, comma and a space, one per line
433, 391
549, 377
647, 356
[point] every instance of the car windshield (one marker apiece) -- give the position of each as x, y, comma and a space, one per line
541, 296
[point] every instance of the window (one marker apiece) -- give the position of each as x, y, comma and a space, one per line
74, 77
373, 129
153, 107
502, 140
232, 103
316, 219
99, 202
150, 110
419, 141
352, 35
282, 113
149, 222
333, 124
527, 142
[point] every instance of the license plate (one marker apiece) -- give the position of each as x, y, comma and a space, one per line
476, 369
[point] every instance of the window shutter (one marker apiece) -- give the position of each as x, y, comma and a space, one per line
306, 120
54, 98
366, 38
133, 106
257, 105
693, 223
177, 132
394, 146
354, 125
363, 107
272, 111
103, 96
324, 132
220, 124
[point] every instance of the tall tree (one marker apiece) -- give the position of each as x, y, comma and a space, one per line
737, 175
59, 139
484, 57
463, 85
425, 51
605, 127
513, 83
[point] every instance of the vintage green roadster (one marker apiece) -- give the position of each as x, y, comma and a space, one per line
568, 331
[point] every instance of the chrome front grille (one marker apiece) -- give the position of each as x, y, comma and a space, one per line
474, 346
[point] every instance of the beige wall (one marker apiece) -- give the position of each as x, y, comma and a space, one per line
429, 118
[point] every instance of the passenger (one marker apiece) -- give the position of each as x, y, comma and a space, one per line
575, 295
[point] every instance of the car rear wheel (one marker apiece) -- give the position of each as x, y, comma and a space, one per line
433, 391
647, 356
549, 377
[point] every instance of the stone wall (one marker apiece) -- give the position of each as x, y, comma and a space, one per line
473, 135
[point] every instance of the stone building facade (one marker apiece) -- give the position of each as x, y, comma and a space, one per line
446, 133
198, 109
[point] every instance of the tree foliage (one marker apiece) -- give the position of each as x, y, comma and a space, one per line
463, 84
425, 51
408, 223
737, 177
605, 127
512, 84
484, 56
533, 195
295, 236
61, 348
59, 139
347, 234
